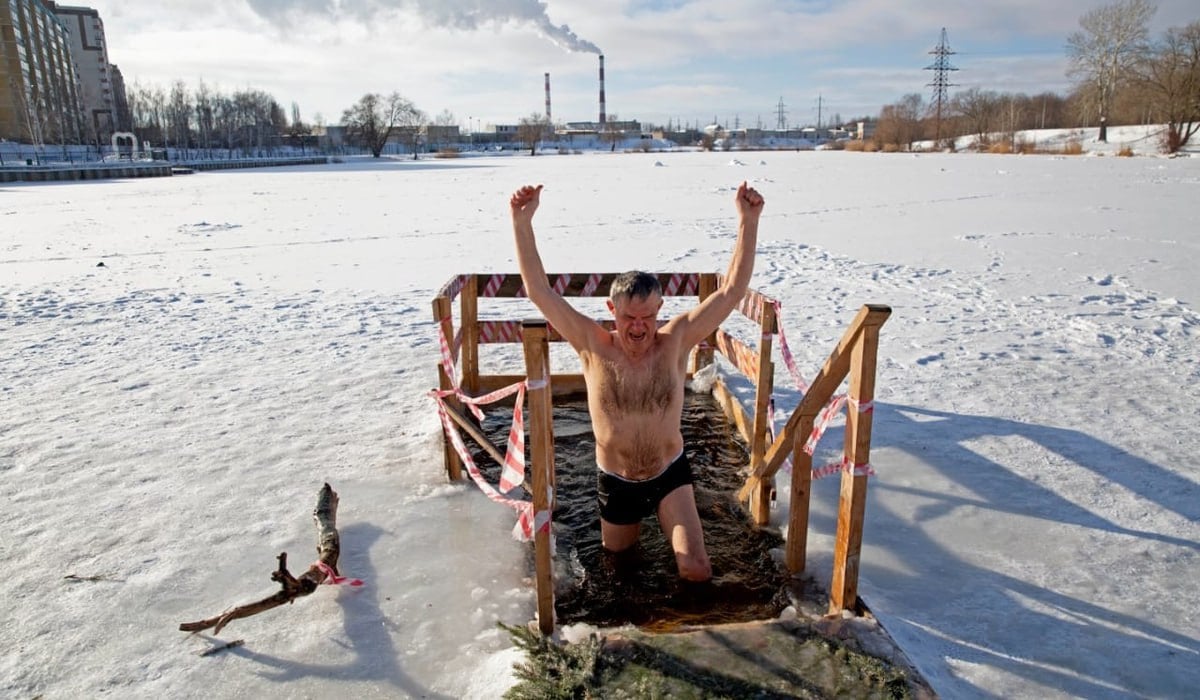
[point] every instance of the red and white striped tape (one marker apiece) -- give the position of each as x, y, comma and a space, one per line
452, 375
788, 360
843, 466
492, 287
741, 355
591, 285
333, 578
513, 474
499, 331
454, 287
528, 522
824, 418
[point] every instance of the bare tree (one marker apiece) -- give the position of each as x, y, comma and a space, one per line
531, 130
980, 112
900, 123
373, 118
298, 130
1047, 110
204, 116
225, 122
1170, 76
610, 134
179, 116
1111, 41
29, 116
410, 124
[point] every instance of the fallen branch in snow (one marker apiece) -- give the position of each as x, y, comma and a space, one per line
91, 579
222, 647
291, 587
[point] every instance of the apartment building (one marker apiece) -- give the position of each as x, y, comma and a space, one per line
89, 50
39, 84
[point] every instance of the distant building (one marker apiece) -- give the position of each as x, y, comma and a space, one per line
501, 133
437, 137
89, 50
330, 136
123, 117
39, 84
631, 127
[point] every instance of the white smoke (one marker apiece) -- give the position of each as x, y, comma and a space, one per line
456, 14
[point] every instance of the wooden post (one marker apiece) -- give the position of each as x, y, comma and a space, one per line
704, 355
796, 547
442, 315
819, 392
760, 499
853, 501
470, 342
541, 439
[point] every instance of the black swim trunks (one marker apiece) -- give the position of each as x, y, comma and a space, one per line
627, 502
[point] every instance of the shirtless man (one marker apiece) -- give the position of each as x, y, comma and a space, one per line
635, 380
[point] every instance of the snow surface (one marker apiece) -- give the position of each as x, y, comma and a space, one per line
167, 419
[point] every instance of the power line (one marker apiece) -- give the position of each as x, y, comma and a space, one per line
941, 78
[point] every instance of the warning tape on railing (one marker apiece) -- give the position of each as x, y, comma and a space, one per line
824, 418
452, 375
454, 287
741, 355
591, 285
788, 360
513, 473
492, 287
751, 305
499, 331
844, 466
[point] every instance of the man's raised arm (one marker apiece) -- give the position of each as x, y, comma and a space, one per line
697, 324
576, 328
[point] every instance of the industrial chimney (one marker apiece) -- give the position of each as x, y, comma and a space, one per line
602, 118
548, 119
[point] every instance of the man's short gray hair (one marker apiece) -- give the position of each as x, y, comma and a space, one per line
634, 285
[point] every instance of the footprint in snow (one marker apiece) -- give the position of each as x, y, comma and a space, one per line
930, 359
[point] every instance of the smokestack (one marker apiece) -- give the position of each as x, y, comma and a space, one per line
602, 118
548, 119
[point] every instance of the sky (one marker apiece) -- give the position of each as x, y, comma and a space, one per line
1032, 529
484, 61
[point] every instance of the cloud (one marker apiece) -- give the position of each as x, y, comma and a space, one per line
466, 15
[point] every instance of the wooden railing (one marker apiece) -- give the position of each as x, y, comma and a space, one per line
854, 356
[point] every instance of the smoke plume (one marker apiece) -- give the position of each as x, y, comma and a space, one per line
466, 15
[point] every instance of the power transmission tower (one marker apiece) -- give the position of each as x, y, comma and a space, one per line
780, 116
941, 79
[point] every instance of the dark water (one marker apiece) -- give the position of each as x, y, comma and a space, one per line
642, 586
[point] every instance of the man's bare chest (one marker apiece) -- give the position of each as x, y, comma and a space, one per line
648, 387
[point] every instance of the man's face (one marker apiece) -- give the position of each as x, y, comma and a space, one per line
636, 320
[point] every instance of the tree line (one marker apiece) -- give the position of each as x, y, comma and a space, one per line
1121, 76
252, 122
243, 121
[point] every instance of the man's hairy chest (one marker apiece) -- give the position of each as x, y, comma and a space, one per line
648, 387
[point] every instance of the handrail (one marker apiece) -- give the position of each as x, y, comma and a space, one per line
854, 355
819, 392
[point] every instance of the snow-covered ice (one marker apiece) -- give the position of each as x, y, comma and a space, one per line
166, 419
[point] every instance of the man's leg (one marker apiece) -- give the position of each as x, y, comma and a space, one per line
681, 525
618, 538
